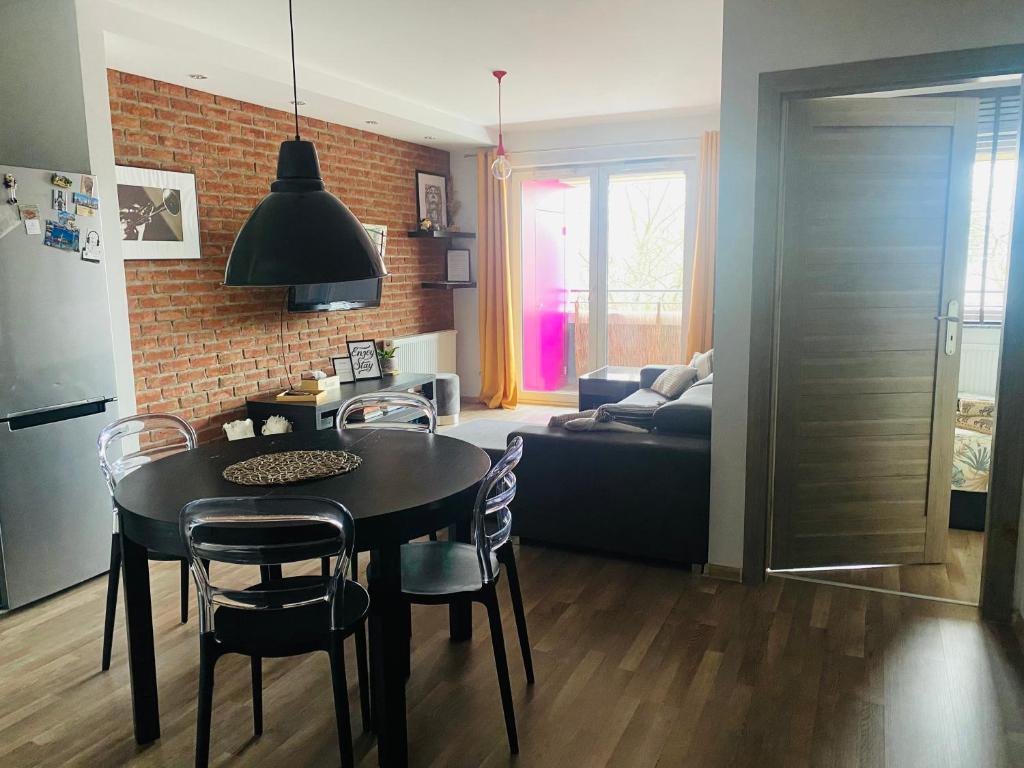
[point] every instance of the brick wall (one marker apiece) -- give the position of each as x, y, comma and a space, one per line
200, 348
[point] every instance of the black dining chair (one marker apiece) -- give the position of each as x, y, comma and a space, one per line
155, 436
277, 617
385, 402
441, 572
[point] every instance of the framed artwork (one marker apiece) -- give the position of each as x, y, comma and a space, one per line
378, 235
159, 213
342, 369
458, 265
363, 356
432, 198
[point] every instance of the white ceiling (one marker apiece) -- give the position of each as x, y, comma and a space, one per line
423, 69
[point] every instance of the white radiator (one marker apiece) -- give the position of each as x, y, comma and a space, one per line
426, 352
979, 361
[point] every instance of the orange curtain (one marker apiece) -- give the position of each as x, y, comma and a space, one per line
499, 374
700, 325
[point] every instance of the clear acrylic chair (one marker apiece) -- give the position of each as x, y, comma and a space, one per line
277, 617
435, 572
388, 401
385, 401
149, 437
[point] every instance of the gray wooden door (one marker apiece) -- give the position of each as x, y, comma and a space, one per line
875, 214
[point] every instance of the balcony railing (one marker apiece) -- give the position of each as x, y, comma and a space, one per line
644, 326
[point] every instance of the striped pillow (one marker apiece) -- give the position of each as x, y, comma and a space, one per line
674, 381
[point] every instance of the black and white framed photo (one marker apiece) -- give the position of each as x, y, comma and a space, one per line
458, 266
363, 356
432, 198
342, 369
159, 213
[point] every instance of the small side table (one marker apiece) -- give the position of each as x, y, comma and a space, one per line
607, 385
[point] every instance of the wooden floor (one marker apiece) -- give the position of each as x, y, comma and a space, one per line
637, 665
959, 578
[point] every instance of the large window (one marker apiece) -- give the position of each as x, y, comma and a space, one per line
604, 257
995, 175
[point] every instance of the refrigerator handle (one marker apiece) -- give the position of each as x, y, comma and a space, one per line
52, 415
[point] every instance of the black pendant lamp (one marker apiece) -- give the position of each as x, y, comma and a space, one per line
300, 233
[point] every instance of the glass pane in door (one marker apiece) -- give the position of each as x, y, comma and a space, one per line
555, 282
646, 267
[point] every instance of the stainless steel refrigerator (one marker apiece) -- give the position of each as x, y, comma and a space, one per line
56, 389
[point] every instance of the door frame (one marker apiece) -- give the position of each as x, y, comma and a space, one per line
599, 174
775, 90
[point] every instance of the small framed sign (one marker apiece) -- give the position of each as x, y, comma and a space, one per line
342, 369
458, 266
363, 356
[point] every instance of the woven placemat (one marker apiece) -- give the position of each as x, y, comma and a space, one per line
291, 467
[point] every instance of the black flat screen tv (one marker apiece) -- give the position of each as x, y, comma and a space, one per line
330, 297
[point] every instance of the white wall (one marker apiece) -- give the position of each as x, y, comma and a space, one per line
673, 133
788, 34
56, 115
40, 91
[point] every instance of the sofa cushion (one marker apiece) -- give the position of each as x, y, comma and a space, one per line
704, 362
688, 415
674, 381
644, 397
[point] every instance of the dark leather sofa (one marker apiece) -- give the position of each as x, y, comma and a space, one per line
643, 495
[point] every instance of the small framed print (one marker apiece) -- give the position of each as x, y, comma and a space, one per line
363, 356
432, 199
342, 369
458, 266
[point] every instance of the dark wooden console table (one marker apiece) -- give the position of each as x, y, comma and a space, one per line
310, 416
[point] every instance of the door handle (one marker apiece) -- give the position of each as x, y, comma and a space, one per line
952, 317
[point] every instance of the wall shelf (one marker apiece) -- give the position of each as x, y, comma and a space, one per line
439, 234
449, 284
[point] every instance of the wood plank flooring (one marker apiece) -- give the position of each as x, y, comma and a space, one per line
958, 578
637, 665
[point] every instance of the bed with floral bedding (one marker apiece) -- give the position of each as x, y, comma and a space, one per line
972, 444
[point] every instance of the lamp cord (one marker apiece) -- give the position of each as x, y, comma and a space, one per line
280, 336
295, 80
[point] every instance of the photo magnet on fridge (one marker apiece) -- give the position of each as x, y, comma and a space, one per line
61, 236
30, 217
60, 200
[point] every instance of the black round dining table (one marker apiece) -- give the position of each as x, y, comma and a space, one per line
407, 485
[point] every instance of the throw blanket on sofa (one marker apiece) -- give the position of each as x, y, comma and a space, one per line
614, 417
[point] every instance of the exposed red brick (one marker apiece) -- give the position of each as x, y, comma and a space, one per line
200, 348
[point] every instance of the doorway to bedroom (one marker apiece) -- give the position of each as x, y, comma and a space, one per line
896, 225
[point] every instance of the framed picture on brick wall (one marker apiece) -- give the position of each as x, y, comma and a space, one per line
159, 213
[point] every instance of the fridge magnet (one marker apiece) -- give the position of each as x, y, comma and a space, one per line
60, 200
30, 218
60, 236
60, 180
84, 204
11, 185
66, 219
88, 186
363, 355
159, 214
91, 250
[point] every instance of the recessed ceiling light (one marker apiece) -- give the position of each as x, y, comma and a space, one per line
198, 76
299, 103
371, 122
